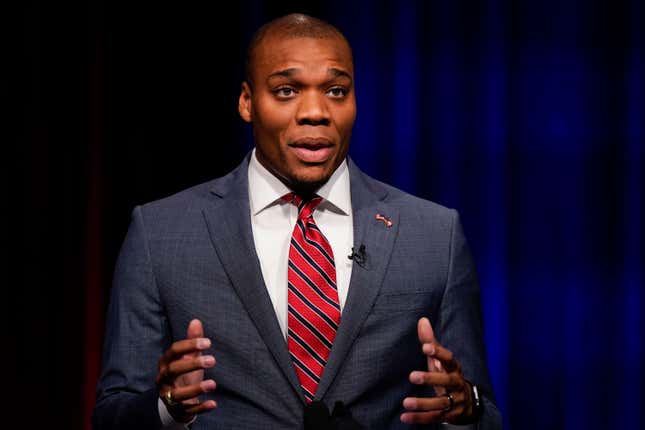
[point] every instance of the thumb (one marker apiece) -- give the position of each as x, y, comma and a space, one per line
195, 329
426, 335
424, 331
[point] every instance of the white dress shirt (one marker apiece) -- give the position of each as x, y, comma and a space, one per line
272, 222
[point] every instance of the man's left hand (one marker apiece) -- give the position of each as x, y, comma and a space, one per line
453, 402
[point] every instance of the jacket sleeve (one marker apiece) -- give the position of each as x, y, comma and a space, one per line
459, 323
136, 336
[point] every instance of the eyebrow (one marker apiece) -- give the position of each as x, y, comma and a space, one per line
288, 73
336, 73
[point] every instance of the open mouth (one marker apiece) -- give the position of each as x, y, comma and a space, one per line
312, 150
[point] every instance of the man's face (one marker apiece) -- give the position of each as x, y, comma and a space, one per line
302, 107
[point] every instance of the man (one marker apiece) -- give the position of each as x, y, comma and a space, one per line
241, 289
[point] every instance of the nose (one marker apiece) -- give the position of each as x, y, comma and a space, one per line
313, 109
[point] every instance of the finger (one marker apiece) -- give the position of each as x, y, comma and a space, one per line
195, 342
434, 409
188, 364
446, 380
192, 391
195, 329
454, 414
424, 331
426, 336
434, 365
447, 358
186, 346
426, 404
422, 417
177, 352
437, 365
202, 407
184, 413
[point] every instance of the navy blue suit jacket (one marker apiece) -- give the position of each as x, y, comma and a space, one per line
192, 255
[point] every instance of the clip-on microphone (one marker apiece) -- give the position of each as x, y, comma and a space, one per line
358, 256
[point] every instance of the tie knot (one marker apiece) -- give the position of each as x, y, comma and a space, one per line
305, 207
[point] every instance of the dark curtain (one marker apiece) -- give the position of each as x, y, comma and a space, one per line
526, 116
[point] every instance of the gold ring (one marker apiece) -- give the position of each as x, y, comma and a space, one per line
168, 398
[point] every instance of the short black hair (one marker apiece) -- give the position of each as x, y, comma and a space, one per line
291, 26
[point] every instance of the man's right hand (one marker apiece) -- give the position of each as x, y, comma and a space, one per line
181, 375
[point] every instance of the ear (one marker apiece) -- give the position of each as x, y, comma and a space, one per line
244, 106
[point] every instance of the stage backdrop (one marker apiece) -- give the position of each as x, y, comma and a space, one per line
526, 116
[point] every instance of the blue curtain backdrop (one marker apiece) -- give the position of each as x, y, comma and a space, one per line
526, 116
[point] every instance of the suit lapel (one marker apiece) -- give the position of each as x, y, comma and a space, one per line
229, 226
368, 200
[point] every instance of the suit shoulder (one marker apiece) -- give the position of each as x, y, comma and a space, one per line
403, 200
409, 203
176, 214
181, 199
181, 208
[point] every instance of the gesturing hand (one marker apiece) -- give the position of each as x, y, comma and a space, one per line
181, 375
453, 403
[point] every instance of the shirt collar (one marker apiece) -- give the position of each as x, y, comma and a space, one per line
266, 190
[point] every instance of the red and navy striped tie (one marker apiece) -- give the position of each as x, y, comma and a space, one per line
314, 310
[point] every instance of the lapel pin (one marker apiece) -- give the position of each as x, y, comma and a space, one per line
385, 220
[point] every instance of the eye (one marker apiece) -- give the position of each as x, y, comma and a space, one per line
284, 92
337, 92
